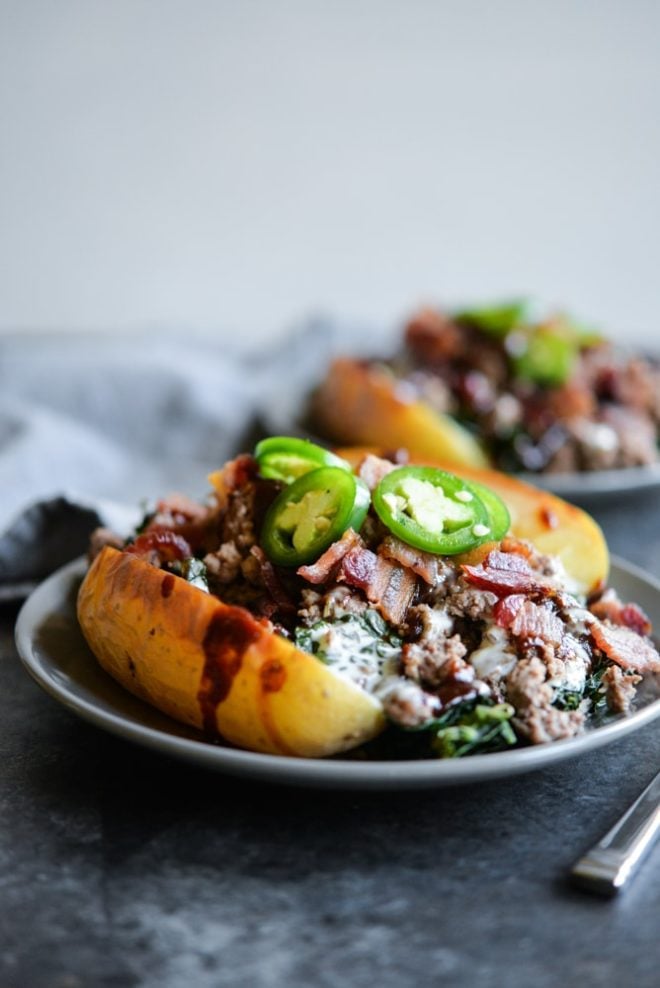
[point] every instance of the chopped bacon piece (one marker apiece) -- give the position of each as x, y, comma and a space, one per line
176, 509
609, 607
190, 520
503, 573
525, 619
388, 586
321, 570
511, 544
372, 469
358, 568
238, 472
625, 647
160, 545
272, 583
233, 475
424, 564
633, 617
433, 337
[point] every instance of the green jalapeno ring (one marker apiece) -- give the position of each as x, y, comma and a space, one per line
546, 354
496, 320
499, 519
287, 458
311, 514
432, 510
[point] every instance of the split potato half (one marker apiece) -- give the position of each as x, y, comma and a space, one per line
358, 403
216, 667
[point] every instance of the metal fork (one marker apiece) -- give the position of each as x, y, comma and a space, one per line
613, 860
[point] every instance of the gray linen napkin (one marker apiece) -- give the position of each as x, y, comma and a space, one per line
95, 427
90, 427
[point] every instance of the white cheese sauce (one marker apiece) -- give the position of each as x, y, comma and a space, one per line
494, 658
355, 652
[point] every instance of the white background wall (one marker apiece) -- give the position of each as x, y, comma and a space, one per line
238, 166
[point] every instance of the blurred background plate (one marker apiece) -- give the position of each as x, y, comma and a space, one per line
290, 373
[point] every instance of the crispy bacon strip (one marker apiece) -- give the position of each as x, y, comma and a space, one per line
625, 647
238, 472
525, 619
185, 517
503, 573
372, 469
609, 607
179, 508
511, 544
424, 564
160, 545
320, 571
388, 586
271, 580
633, 617
433, 337
233, 475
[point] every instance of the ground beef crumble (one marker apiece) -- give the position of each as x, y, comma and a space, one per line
528, 690
619, 689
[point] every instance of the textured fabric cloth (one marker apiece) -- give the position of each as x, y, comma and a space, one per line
95, 427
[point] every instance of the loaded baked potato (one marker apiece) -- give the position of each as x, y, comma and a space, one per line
318, 601
496, 385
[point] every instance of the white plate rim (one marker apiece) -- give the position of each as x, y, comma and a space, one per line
320, 773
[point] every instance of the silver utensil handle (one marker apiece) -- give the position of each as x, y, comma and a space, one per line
608, 865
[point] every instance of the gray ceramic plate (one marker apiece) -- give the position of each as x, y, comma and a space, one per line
54, 652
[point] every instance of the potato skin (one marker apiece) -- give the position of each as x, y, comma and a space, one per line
359, 403
553, 525
216, 667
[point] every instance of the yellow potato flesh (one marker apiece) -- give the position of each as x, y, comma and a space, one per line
215, 666
358, 403
554, 526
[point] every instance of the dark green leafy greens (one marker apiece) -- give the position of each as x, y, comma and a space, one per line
469, 727
484, 728
368, 633
568, 699
598, 709
194, 571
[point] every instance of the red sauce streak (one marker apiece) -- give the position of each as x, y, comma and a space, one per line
230, 633
273, 676
167, 586
548, 517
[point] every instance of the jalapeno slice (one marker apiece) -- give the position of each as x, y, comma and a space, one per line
495, 320
312, 513
547, 354
432, 510
287, 458
499, 519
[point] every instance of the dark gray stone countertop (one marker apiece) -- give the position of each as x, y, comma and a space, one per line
120, 868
